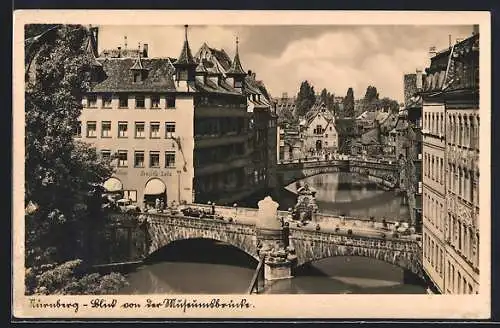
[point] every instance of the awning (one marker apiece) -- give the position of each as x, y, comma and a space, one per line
113, 184
154, 187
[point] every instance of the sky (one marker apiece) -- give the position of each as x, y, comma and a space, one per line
334, 57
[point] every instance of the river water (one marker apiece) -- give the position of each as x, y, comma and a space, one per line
199, 266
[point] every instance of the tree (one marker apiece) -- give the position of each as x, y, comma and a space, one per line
371, 94
329, 100
349, 103
61, 174
305, 98
389, 105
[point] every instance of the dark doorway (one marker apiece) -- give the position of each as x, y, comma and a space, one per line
318, 145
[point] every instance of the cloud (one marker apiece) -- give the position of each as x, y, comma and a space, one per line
332, 57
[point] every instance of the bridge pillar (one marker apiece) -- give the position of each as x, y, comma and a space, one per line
278, 262
277, 270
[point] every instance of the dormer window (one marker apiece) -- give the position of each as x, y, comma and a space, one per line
92, 101
139, 101
137, 77
138, 70
183, 75
155, 101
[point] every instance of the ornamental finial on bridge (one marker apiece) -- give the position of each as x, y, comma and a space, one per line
268, 214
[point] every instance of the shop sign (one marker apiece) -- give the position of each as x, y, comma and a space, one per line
155, 173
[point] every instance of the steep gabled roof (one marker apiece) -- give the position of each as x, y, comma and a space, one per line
92, 51
201, 68
236, 68
186, 57
222, 57
119, 78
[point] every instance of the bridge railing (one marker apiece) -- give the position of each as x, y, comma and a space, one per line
238, 214
354, 159
369, 164
198, 222
404, 244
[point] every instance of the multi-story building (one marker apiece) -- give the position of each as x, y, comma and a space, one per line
318, 130
291, 143
450, 168
180, 129
408, 146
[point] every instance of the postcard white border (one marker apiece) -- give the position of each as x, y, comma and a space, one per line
265, 306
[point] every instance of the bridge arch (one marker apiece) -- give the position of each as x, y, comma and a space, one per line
187, 247
162, 234
385, 174
289, 179
312, 246
398, 259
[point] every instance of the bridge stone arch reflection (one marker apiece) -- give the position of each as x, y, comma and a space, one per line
163, 230
314, 245
382, 173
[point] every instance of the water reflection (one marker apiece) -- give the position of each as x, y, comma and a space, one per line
184, 269
353, 195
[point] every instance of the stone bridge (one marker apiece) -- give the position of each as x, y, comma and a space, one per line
381, 173
284, 248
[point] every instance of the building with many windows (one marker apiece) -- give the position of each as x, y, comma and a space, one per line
319, 131
450, 168
180, 129
407, 140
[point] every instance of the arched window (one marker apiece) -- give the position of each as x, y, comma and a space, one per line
432, 167
460, 131
433, 122
466, 131
455, 130
441, 170
460, 181
442, 124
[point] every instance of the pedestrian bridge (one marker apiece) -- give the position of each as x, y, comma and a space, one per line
144, 234
386, 174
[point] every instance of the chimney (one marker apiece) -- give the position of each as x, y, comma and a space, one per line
249, 73
253, 75
145, 50
432, 52
475, 29
419, 79
119, 52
